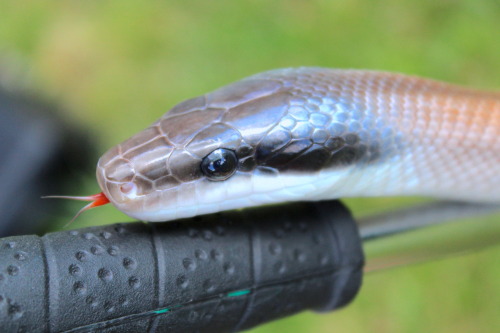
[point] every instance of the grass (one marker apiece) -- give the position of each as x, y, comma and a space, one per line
116, 66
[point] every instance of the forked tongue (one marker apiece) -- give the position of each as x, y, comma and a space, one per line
98, 199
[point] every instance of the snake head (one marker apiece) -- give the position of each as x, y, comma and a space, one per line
198, 158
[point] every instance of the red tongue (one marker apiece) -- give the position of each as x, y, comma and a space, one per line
98, 199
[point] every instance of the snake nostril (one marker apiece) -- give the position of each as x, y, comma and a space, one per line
128, 188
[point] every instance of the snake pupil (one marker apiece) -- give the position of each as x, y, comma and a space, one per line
219, 164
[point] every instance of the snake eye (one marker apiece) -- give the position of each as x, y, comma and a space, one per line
219, 164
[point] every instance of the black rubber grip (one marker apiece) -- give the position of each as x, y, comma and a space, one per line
218, 273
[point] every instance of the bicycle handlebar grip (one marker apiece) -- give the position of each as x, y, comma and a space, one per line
218, 273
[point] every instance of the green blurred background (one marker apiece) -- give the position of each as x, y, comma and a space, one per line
116, 66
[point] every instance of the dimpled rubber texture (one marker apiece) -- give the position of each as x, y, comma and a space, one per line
218, 273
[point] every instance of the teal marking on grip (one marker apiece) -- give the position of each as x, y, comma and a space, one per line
238, 293
162, 311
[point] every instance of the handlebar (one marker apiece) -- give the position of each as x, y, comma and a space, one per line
224, 272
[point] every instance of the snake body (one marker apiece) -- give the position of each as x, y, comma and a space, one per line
309, 134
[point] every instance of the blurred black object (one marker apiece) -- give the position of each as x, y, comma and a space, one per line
224, 272
39, 152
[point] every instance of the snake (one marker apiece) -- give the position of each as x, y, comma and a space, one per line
308, 134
